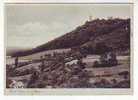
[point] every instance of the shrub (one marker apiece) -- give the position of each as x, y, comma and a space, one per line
96, 64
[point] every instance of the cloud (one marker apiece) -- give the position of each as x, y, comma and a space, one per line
35, 33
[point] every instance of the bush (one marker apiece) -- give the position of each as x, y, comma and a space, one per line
102, 48
87, 49
41, 85
108, 62
96, 64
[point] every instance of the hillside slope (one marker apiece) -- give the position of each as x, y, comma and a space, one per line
112, 32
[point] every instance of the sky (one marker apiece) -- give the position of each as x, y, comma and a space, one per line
30, 25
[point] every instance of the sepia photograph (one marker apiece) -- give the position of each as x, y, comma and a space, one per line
68, 46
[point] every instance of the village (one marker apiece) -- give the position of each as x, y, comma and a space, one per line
70, 69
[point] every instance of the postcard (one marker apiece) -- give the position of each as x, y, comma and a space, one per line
68, 48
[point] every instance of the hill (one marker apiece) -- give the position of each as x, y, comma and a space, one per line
94, 35
13, 50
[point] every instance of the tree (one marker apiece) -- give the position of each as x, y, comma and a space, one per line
96, 64
101, 48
